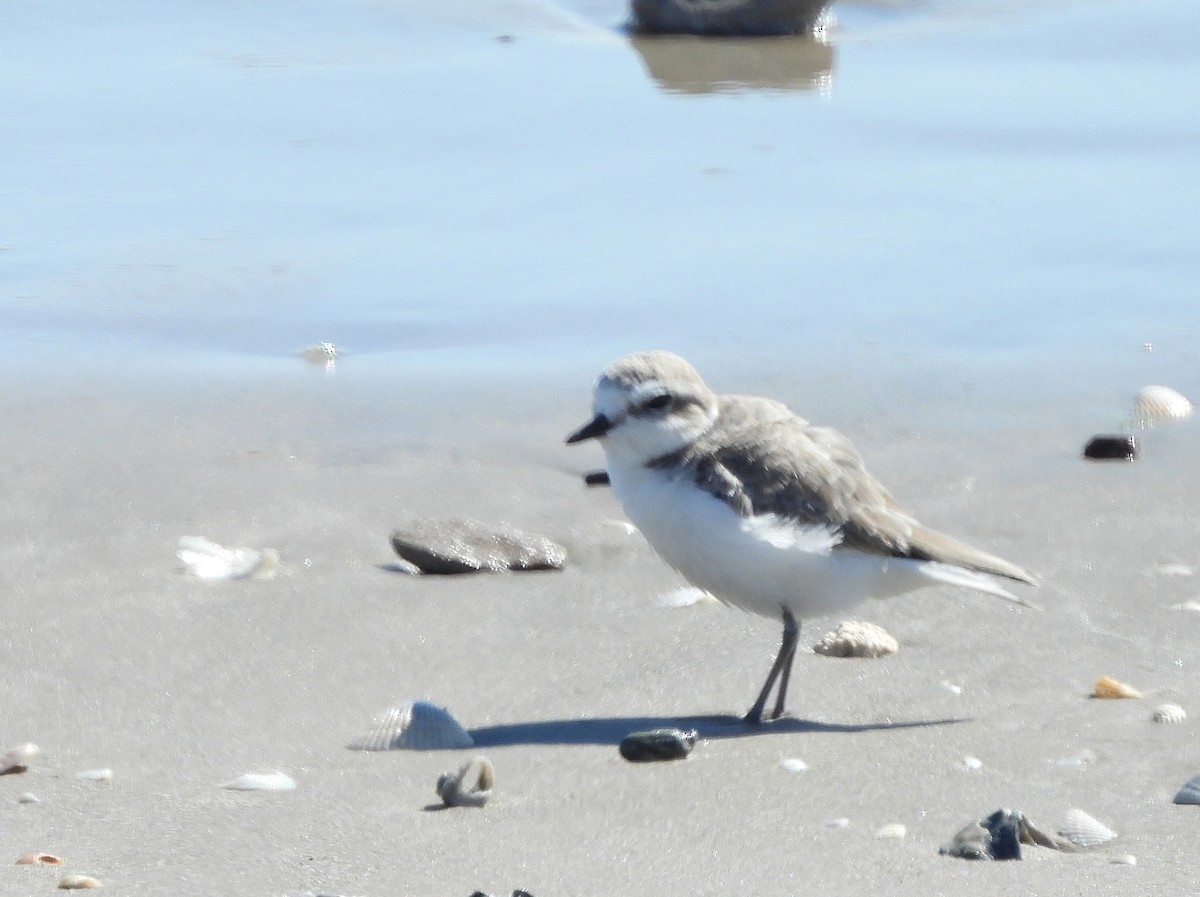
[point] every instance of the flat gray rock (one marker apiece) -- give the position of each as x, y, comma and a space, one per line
740, 18
465, 546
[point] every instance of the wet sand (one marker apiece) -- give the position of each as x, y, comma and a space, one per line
114, 659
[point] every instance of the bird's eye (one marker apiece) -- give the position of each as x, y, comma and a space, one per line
658, 403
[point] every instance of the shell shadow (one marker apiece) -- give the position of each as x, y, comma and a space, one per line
610, 730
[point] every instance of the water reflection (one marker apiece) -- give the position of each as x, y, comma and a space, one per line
698, 65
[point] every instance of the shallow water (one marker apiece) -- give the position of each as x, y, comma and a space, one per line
202, 186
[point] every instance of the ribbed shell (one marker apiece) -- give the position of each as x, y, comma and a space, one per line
415, 726
1085, 831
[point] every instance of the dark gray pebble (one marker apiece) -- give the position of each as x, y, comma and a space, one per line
463, 546
1189, 793
1000, 836
596, 478
1111, 448
741, 18
657, 744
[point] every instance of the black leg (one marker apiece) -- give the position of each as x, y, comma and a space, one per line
781, 666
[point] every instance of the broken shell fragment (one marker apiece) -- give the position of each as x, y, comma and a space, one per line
208, 560
793, 764
894, 830
77, 883
33, 859
415, 726
464, 546
1159, 403
1169, 713
657, 744
261, 781
28, 798
17, 760
687, 597
1085, 831
1109, 688
856, 638
1189, 793
454, 790
95, 775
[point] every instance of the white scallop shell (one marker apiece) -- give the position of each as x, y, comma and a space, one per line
894, 830
793, 764
95, 775
1189, 793
453, 789
415, 726
1085, 831
18, 759
261, 781
856, 638
1169, 713
1155, 403
208, 560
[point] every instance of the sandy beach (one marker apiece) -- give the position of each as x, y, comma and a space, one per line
962, 234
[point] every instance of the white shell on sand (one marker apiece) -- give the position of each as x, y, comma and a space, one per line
1123, 859
1082, 760
970, 762
1155, 403
208, 560
29, 798
1192, 605
856, 638
1189, 793
261, 781
1169, 713
415, 726
687, 597
839, 822
77, 883
1174, 569
793, 764
34, 859
894, 830
1085, 831
454, 788
95, 775
18, 759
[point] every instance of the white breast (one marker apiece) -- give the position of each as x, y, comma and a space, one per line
760, 564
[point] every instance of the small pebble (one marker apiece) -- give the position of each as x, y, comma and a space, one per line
596, 478
857, 638
1111, 448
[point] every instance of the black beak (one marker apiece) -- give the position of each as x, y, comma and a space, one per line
597, 427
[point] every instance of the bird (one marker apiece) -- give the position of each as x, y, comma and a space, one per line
764, 510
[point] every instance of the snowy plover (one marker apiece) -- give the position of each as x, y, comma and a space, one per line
761, 508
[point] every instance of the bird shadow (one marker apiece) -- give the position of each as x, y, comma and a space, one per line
612, 729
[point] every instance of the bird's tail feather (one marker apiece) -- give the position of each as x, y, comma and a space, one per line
969, 579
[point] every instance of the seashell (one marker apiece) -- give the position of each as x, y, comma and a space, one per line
1085, 831
793, 764
29, 798
261, 781
1189, 793
1169, 713
322, 353
1192, 605
839, 822
77, 883
415, 726
1157, 403
657, 744
33, 859
1111, 448
1176, 570
951, 687
687, 597
1123, 859
892, 831
970, 762
856, 638
1109, 688
446, 547
1082, 760
451, 786
95, 775
17, 760
208, 560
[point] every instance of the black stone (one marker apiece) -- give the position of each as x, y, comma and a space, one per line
596, 478
731, 18
657, 744
1111, 448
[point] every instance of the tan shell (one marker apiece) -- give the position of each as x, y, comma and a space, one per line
454, 788
32, 859
856, 638
78, 883
1107, 687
